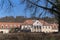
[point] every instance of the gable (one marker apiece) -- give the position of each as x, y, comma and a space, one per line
37, 22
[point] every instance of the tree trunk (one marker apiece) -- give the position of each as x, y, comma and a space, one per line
59, 23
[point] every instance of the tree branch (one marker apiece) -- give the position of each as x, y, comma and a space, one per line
53, 4
44, 7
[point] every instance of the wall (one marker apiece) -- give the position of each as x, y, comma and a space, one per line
5, 30
48, 29
26, 26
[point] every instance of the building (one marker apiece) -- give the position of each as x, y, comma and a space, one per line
31, 25
27, 25
40, 26
5, 27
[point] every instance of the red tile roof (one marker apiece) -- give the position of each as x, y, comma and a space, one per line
9, 24
44, 23
27, 22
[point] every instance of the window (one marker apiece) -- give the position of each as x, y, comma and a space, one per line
2, 26
15, 25
37, 22
40, 27
6, 25
11, 26
37, 26
46, 27
34, 27
49, 27
43, 27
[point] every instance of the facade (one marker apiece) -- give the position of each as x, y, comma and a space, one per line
5, 27
27, 25
36, 26
50, 28
40, 26
31, 25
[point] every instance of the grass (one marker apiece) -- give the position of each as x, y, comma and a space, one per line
30, 36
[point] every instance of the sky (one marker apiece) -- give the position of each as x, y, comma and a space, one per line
17, 10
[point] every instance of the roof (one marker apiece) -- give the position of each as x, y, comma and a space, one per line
44, 23
9, 24
32, 21
28, 22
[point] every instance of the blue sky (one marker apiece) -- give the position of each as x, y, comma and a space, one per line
17, 10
